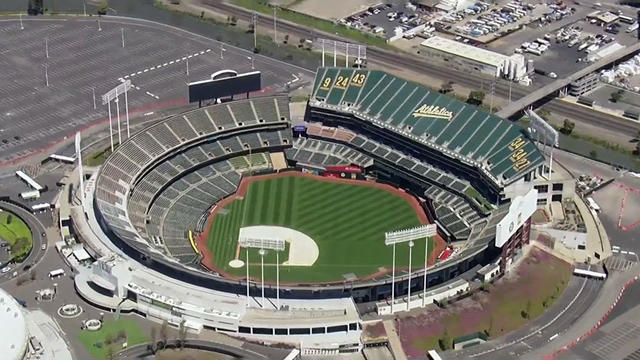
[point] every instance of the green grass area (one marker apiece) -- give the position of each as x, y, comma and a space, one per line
15, 232
347, 221
313, 22
99, 157
508, 305
96, 341
473, 193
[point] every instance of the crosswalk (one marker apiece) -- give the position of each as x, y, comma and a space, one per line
618, 263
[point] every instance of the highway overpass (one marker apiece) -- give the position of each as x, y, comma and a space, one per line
549, 89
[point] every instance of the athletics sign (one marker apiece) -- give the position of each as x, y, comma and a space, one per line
433, 112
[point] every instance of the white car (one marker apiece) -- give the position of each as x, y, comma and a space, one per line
6, 270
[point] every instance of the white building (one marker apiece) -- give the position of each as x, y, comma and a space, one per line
14, 334
466, 57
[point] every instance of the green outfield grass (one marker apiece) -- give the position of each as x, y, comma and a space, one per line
17, 234
347, 221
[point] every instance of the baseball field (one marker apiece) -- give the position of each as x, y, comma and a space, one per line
346, 220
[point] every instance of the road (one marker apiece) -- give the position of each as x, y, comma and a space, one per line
384, 58
610, 122
37, 229
573, 303
390, 59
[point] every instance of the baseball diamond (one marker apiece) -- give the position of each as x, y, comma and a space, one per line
346, 218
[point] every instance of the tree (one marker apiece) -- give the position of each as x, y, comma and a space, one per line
32, 275
446, 87
445, 341
636, 151
476, 97
164, 331
286, 39
616, 96
103, 7
201, 14
593, 154
234, 21
182, 334
489, 330
252, 28
111, 353
9, 219
154, 336
567, 127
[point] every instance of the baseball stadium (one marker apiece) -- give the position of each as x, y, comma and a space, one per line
375, 154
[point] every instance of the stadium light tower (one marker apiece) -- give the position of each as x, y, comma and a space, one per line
112, 95
402, 236
263, 244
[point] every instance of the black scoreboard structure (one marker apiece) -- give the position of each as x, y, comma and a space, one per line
224, 84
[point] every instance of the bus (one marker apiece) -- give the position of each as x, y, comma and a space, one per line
626, 19
593, 204
293, 355
433, 355
56, 273
589, 274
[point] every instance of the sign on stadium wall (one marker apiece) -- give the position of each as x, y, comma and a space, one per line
521, 209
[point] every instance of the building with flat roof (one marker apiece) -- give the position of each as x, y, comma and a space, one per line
15, 337
466, 57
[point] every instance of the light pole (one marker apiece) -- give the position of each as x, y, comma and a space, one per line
84, 7
110, 125
122, 35
278, 280
21, 25
118, 117
126, 109
255, 31
262, 253
99, 26
247, 265
187, 68
335, 53
426, 256
393, 277
275, 29
322, 52
411, 244
46, 47
93, 92
346, 54
46, 74
222, 50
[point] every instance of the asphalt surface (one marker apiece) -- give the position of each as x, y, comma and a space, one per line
84, 56
388, 59
37, 253
573, 303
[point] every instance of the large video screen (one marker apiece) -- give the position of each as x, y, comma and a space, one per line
225, 87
